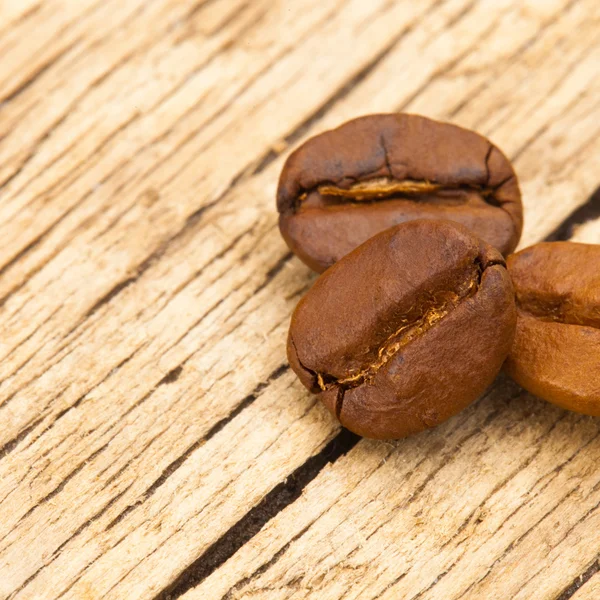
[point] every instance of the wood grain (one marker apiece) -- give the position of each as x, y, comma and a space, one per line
145, 294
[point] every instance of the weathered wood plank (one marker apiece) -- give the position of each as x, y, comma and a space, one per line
240, 558
501, 501
152, 220
586, 586
138, 314
53, 448
588, 233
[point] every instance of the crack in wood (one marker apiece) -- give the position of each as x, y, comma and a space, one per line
562, 539
174, 373
580, 580
36, 241
588, 211
338, 95
274, 502
11, 444
61, 486
174, 465
266, 566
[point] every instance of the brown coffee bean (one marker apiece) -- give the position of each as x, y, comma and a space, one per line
406, 330
346, 185
556, 353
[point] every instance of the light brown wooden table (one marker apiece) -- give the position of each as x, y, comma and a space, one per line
154, 442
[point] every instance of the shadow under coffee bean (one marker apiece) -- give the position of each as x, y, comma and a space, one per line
346, 185
406, 330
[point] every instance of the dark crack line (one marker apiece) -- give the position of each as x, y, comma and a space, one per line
174, 465
274, 502
9, 446
588, 211
61, 486
274, 271
580, 580
340, 94
75, 534
339, 401
472, 515
562, 539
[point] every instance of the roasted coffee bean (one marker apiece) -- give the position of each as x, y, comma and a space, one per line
344, 186
406, 330
556, 353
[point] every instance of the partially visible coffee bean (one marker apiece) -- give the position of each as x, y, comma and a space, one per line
346, 185
556, 353
406, 330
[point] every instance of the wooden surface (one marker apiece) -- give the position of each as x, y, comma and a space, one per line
154, 442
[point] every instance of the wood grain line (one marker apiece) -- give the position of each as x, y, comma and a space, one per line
84, 526
11, 444
446, 68
61, 485
30, 12
31, 79
20, 87
177, 373
276, 500
514, 57
141, 525
52, 225
339, 94
580, 580
516, 542
497, 488
519, 152
173, 466
61, 413
73, 104
588, 211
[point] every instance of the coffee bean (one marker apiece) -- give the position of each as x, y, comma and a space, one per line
406, 330
344, 186
556, 353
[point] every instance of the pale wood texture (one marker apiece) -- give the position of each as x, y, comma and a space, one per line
145, 294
